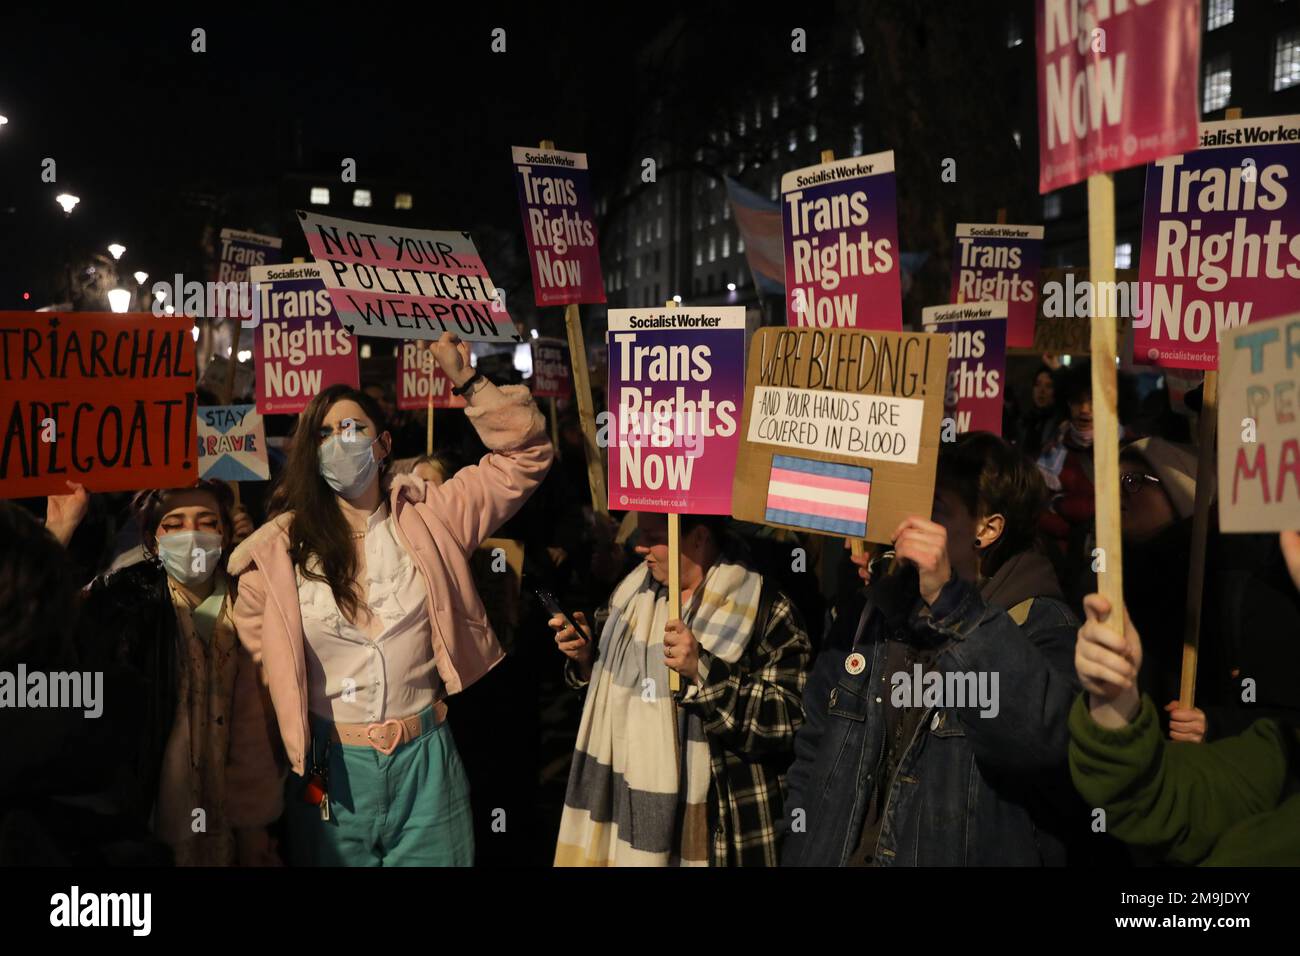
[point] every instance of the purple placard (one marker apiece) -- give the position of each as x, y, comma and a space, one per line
1000, 263
840, 227
559, 226
676, 392
977, 362
299, 348
1220, 240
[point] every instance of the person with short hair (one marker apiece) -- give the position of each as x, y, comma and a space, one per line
697, 777
935, 728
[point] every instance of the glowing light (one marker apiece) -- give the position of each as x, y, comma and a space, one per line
119, 300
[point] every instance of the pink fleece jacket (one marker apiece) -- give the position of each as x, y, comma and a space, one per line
439, 525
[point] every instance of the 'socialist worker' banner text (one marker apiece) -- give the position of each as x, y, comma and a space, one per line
1220, 239
840, 223
977, 359
1117, 84
559, 226
299, 348
99, 398
406, 283
676, 383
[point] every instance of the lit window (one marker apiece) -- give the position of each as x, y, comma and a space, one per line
1124, 255
1015, 134
361, 197
402, 201
659, 228
726, 210
858, 47
776, 186
713, 249
812, 83
812, 132
794, 141
1286, 61
859, 89
320, 196
776, 151
637, 263
699, 155
758, 116
1218, 84
1218, 13
1052, 206
699, 256
713, 217
740, 244
740, 125
857, 139
726, 245
776, 107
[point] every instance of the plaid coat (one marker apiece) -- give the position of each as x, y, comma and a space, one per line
750, 711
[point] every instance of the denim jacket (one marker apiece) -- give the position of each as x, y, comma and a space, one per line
969, 789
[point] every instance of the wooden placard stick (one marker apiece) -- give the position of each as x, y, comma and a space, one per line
555, 427
1205, 467
857, 546
1108, 558
674, 568
428, 433
582, 392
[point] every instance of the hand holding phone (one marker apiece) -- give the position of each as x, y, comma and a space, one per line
572, 635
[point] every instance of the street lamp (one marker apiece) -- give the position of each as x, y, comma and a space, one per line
67, 201
119, 300
140, 277
116, 249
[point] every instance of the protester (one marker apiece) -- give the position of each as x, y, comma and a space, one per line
886, 778
359, 603
1039, 421
204, 744
696, 777
1235, 802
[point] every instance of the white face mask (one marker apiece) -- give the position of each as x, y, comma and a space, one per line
190, 557
348, 466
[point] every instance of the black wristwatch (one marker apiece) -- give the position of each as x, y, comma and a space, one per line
462, 390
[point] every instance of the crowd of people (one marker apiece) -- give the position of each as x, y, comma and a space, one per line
344, 671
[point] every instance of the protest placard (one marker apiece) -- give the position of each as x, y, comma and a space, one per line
676, 383
398, 283
559, 225
232, 443
977, 362
240, 251
101, 398
299, 348
836, 420
1259, 426
1109, 96
551, 377
1220, 239
840, 223
420, 378
999, 263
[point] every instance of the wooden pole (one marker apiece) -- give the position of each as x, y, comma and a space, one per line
857, 546
674, 568
1002, 216
1205, 468
555, 426
428, 434
1109, 558
582, 392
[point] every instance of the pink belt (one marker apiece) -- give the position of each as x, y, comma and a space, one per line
386, 735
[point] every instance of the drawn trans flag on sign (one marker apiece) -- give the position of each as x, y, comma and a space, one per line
232, 443
819, 495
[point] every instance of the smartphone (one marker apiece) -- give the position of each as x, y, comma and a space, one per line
553, 608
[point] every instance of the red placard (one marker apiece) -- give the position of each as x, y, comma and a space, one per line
417, 374
100, 398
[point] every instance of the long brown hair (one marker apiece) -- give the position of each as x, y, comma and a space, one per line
318, 528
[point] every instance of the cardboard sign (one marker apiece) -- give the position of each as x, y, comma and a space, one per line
399, 283
299, 348
1117, 85
419, 376
551, 377
676, 383
232, 443
1220, 239
977, 362
840, 222
1065, 306
240, 251
869, 400
100, 398
1259, 426
999, 263
559, 225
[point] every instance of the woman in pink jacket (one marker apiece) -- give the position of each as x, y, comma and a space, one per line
359, 603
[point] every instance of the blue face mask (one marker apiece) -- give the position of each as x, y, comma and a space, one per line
348, 466
190, 557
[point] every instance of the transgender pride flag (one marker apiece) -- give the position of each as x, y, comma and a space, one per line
819, 496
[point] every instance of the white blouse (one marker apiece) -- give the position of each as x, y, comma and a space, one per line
386, 671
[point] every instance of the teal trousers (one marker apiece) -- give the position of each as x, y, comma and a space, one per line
409, 808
